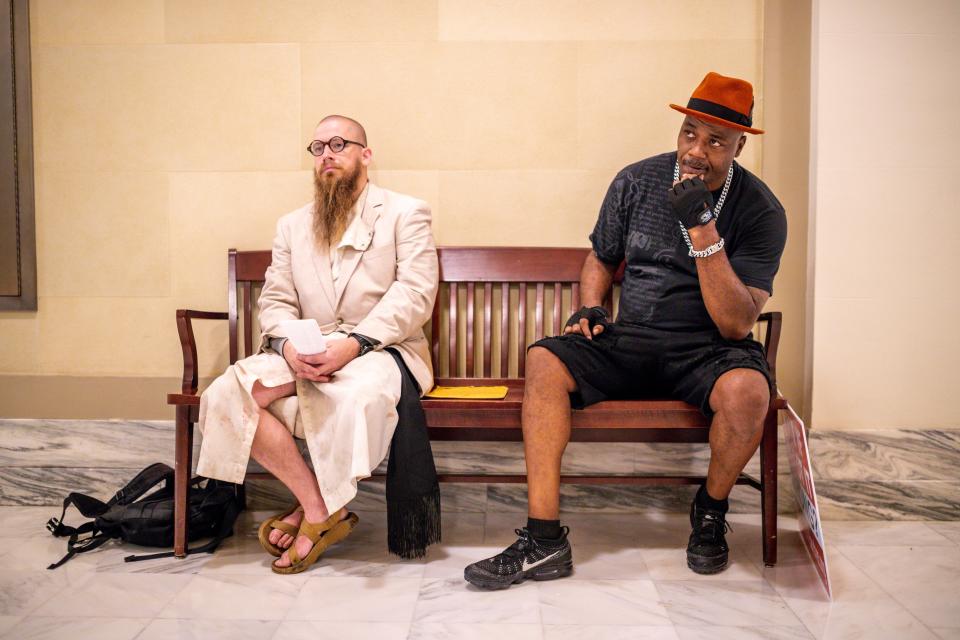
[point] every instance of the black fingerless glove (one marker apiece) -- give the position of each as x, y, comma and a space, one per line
692, 202
594, 315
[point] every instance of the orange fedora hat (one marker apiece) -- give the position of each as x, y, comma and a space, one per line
724, 101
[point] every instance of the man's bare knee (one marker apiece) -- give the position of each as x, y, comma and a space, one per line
741, 393
265, 396
545, 369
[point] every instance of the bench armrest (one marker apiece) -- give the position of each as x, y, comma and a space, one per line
771, 339
188, 344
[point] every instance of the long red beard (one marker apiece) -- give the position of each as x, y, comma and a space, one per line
332, 201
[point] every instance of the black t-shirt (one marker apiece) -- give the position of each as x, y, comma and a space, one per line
660, 285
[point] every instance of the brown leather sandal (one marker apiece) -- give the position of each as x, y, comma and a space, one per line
276, 522
322, 535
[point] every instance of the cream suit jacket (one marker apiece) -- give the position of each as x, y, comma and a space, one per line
387, 285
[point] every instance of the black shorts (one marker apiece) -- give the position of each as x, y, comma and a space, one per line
632, 362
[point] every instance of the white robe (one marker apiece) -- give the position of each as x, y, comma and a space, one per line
357, 413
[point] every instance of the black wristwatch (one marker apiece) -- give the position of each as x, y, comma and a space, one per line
366, 344
705, 216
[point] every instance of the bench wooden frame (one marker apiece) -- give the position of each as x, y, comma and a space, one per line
473, 272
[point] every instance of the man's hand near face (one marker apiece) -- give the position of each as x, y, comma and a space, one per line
320, 367
691, 202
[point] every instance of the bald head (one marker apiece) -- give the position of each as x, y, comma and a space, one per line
354, 129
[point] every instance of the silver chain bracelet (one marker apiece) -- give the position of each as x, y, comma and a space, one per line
712, 249
709, 251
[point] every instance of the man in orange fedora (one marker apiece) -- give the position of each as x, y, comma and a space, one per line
701, 238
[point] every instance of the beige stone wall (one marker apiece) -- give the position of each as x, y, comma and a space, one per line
885, 229
167, 131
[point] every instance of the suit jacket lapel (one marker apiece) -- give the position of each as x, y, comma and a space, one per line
352, 255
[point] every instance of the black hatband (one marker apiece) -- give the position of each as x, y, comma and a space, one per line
720, 111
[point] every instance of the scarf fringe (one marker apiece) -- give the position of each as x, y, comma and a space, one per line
413, 524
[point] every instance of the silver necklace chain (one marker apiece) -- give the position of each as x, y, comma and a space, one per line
716, 209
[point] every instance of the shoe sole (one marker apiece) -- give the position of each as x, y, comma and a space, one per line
542, 573
707, 566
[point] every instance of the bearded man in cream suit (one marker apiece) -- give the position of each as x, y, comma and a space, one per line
361, 262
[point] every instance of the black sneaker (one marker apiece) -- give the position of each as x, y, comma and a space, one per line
525, 558
707, 550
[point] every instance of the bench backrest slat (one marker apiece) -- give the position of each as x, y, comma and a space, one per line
454, 327
245, 273
521, 332
487, 329
557, 299
504, 325
470, 303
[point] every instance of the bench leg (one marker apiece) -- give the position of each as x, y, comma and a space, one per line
768, 488
182, 468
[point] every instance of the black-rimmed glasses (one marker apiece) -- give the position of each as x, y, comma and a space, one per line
336, 144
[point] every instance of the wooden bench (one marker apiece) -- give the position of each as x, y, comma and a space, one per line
523, 293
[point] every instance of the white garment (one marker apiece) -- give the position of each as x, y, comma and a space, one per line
357, 411
354, 237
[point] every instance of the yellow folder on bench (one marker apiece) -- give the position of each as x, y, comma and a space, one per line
469, 393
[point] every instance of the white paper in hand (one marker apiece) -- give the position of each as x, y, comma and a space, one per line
305, 335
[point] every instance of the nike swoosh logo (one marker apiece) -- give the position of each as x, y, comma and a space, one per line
527, 566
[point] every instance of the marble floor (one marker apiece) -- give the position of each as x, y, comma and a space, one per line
891, 580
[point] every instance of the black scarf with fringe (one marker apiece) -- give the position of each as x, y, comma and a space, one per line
413, 493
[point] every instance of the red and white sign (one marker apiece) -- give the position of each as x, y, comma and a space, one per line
811, 531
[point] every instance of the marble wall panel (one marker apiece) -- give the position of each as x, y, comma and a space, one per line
889, 474
580, 498
477, 457
854, 500
691, 459
598, 498
463, 497
267, 494
455, 497
507, 457
885, 455
86, 443
35, 486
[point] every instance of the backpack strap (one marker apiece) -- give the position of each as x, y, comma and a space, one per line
75, 546
88, 506
143, 482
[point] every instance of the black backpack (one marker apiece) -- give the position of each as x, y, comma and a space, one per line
136, 516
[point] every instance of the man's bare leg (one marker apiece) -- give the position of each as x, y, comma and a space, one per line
740, 399
275, 449
542, 552
546, 429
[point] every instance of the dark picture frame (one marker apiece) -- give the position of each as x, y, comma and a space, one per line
18, 248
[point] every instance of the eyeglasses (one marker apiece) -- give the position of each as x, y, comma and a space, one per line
336, 144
